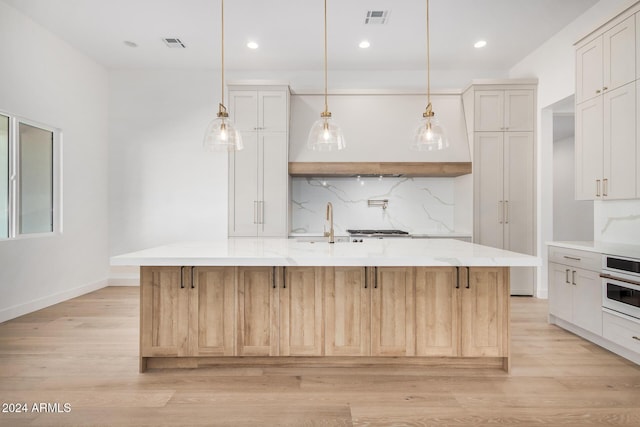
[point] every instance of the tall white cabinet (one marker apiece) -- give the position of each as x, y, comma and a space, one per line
503, 118
258, 174
606, 112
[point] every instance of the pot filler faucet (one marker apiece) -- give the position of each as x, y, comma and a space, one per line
329, 233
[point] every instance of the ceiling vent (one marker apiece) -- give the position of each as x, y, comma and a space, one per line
174, 43
377, 17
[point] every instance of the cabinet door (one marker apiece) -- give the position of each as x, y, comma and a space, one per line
244, 206
518, 110
393, 312
560, 291
485, 313
620, 54
347, 311
257, 311
273, 186
212, 311
243, 110
589, 149
488, 189
638, 133
272, 111
587, 300
437, 312
589, 70
489, 110
164, 311
637, 16
619, 174
301, 315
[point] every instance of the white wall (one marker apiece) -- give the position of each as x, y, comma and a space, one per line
163, 187
572, 219
45, 80
553, 65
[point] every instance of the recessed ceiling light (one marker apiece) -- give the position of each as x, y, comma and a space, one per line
130, 43
364, 44
252, 45
479, 44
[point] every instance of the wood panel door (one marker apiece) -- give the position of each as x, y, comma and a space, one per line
485, 312
273, 185
619, 55
560, 291
589, 70
437, 311
257, 323
589, 150
301, 312
212, 311
164, 311
393, 311
489, 111
587, 300
347, 311
243, 188
489, 189
519, 111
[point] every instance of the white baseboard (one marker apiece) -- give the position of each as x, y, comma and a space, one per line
40, 303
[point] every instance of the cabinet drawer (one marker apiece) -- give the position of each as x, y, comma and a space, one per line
576, 258
621, 330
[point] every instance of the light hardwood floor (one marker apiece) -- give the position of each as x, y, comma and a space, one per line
85, 352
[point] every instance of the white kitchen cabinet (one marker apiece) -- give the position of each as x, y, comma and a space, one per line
606, 145
575, 288
504, 110
637, 16
504, 169
606, 62
258, 174
607, 160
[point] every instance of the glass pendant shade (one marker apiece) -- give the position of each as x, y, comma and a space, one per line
221, 135
429, 136
325, 135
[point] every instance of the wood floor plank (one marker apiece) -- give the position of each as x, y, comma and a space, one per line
84, 352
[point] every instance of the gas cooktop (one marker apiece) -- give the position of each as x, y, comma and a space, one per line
377, 232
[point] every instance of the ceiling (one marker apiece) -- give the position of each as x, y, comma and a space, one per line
290, 32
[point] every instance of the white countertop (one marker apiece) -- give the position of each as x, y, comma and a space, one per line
289, 252
607, 248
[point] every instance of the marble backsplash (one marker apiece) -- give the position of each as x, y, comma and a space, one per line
416, 205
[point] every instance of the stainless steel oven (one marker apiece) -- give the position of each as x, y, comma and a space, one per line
621, 285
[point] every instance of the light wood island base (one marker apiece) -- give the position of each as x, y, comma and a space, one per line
324, 316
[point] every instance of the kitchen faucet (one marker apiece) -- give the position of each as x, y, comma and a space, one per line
329, 233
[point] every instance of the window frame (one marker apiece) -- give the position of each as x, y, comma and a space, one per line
13, 214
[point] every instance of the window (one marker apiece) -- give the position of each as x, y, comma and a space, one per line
29, 171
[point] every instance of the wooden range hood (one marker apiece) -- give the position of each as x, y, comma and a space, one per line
408, 169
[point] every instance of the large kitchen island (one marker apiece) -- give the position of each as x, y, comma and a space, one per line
285, 302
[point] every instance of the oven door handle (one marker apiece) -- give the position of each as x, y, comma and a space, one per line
619, 279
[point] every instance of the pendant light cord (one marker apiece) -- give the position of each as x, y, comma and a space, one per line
428, 60
222, 50
326, 107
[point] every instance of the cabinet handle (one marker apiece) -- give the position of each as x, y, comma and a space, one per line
375, 277
635, 338
366, 279
457, 277
506, 209
193, 283
255, 211
273, 277
597, 188
573, 277
261, 211
598, 91
468, 280
605, 186
500, 212
181, 277
284, 277
571, 257
605, 88
566, 276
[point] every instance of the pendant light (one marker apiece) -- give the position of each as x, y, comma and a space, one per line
429, 135
221, 135
325, 134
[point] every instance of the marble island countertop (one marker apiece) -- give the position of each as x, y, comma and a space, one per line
290, 252
607, 248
